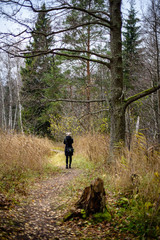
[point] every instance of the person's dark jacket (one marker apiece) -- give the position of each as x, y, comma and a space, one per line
68, 142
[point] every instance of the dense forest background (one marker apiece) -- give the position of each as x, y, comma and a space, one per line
52, 93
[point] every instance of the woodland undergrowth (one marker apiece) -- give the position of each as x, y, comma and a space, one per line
22, 159
132, 183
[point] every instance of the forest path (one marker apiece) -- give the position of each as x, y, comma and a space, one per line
39, 217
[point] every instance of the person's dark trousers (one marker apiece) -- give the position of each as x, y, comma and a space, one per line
70, 161
66, 161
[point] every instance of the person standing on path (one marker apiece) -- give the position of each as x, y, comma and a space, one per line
68, 149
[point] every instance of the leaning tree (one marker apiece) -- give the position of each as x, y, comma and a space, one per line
110, 19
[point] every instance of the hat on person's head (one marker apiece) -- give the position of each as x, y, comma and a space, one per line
68, 134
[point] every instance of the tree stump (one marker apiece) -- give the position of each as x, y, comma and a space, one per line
93, 198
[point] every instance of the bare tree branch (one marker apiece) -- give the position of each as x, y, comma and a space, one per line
58, 51
92, 113
70, 28
83, 51
64, 5
76, 101
17, 21
83, 58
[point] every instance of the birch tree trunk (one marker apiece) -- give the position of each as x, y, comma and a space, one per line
15, 118
18, 78
10, 94
137, 124
4, 122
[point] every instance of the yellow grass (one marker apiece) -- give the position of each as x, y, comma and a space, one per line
139, 162
23, 152
143, 164
19, 153
95, 147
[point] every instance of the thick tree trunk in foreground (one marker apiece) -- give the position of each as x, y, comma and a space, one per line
117, 109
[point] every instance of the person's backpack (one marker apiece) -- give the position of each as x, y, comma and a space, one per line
70, 150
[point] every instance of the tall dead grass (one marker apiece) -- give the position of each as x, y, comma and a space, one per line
135, 170
95, 147
139, 169
21, 152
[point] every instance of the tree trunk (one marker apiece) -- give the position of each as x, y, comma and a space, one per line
10, 95
88, 89
15, 118
137, 124
117, 107
4, 122
93, 198
18, 96
155, 29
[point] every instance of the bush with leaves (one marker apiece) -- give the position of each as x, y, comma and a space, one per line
59, 125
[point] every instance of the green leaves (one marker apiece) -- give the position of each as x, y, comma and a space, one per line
59, 125
100, 217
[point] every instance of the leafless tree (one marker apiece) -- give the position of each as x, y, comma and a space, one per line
152, 40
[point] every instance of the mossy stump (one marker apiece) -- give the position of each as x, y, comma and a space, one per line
92, 200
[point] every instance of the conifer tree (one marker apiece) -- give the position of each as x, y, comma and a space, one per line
38, 76
87, 38
131, 44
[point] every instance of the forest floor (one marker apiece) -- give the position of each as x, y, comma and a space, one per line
39, 215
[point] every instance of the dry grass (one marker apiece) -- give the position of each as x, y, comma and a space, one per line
95, 147
138, 169
134, 170
23, 152
132, 183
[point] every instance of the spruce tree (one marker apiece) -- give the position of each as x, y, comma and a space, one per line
131, 44
38, 76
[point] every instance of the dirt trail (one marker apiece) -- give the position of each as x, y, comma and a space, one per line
39, 216
39, 219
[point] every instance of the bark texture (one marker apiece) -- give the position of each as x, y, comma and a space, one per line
93, 199
117, 109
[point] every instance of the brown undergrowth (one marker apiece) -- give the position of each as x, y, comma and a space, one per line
95, 147
21, 157
132, 183
138, 166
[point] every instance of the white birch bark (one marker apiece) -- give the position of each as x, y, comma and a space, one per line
15, 118
4, 122
137, 124
18, 78
10, 94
